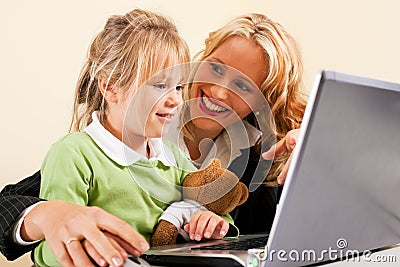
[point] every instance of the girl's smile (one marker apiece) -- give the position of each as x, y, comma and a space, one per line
165, 117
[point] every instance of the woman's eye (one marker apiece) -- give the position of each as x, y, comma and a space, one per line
179, 87
160, 86
216, 69
241, 86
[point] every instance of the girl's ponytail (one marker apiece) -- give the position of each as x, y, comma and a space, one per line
88, 98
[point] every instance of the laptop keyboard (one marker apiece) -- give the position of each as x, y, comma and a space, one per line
241, 244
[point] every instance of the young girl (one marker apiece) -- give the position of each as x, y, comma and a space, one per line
115, 149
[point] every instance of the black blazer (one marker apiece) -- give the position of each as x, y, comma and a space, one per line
14, 199
257, 213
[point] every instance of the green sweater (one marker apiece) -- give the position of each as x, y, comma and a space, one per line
78, 171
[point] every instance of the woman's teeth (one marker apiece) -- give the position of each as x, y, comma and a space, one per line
212, 107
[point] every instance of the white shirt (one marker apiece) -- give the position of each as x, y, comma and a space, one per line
179, 214
226, 146
120, 152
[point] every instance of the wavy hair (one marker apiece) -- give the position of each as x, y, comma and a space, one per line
283, 85
125, 53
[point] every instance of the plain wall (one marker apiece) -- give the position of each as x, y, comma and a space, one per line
44, 42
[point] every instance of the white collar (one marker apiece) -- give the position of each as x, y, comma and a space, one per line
121, 153
230, 142
227, 145
234, 133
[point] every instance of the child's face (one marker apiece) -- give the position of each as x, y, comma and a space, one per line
154, 106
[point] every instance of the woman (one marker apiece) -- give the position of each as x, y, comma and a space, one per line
250, 59
268, 57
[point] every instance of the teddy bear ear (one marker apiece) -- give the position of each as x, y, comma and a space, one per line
245, 193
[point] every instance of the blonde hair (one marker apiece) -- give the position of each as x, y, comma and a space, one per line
283, 85
129, 49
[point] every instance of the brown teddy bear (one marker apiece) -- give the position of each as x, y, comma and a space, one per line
215, 188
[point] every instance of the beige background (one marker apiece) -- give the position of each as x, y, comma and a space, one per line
43, 44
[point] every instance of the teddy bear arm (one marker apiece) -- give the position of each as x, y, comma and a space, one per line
245, 193
165, 234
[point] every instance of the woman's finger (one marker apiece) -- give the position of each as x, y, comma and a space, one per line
104, 246
92, 252
120, 228
291, 139
282, 176
275, 150
124, 245
287, 143
78, 254
117, 247
60, 251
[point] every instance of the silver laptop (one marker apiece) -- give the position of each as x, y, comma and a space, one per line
342, 193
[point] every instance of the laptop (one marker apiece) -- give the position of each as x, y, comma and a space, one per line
341, 195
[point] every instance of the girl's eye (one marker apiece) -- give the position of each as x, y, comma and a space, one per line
216, 69
242, 86
160, 86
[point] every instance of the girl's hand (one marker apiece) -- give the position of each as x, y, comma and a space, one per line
287, 143
206, 224
103, 237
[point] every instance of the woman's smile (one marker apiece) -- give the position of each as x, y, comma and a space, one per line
211, 106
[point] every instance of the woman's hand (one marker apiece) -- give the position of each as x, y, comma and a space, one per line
206, 224
102, 236
287, 143
118, 243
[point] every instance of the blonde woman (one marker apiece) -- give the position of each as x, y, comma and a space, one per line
268, 57
249, 63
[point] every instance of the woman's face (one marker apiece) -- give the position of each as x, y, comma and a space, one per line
226, 84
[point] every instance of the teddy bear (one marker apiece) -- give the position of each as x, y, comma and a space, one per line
214, 188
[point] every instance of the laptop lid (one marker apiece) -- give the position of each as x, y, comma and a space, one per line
342, 188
